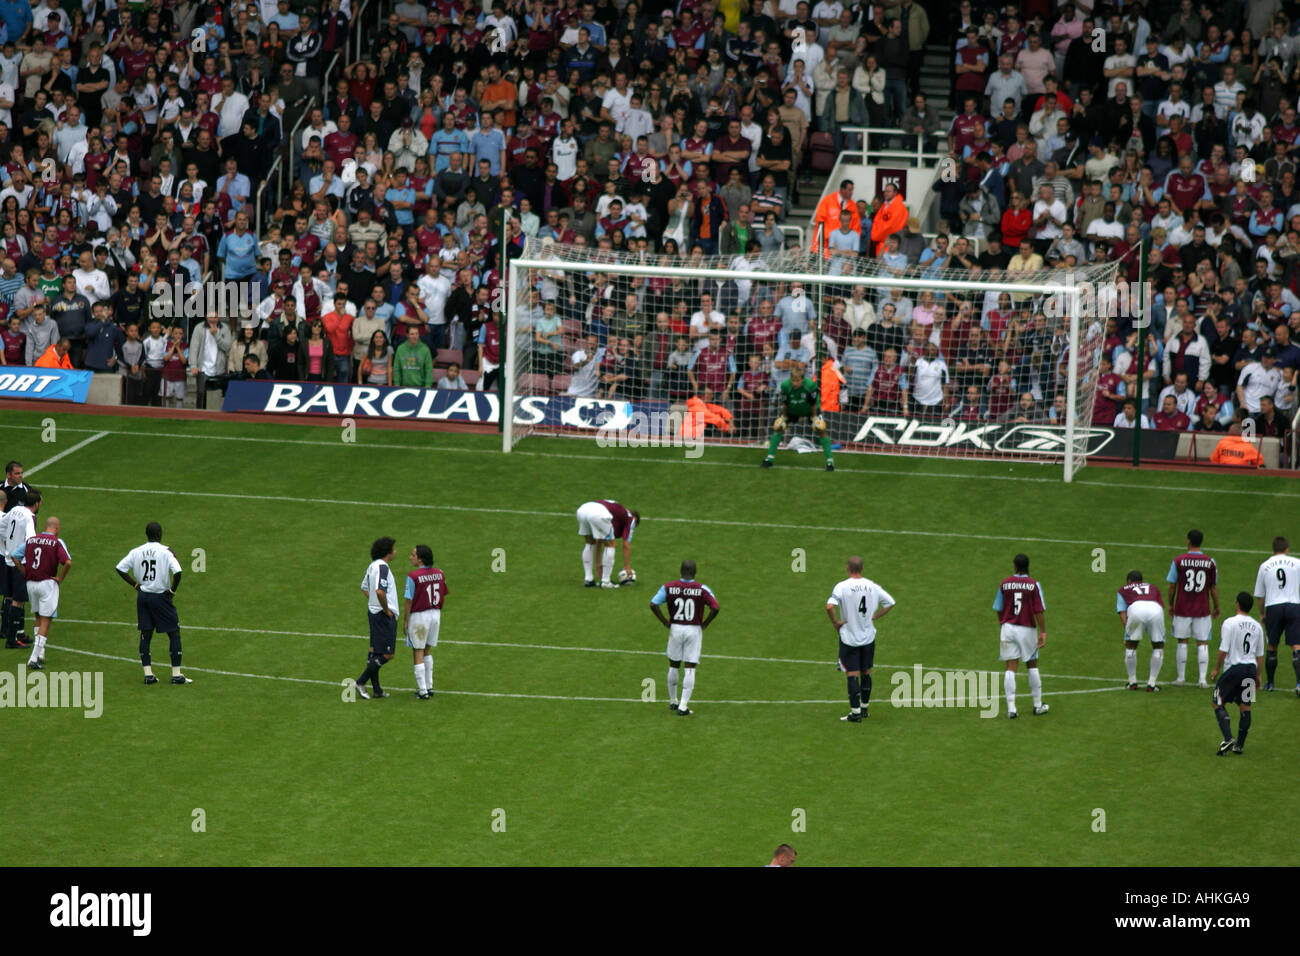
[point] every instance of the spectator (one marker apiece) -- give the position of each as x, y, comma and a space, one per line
452, 379
413, 363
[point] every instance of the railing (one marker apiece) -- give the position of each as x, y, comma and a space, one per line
918, 156
798, 232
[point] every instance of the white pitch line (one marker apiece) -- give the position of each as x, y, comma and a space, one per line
65, 453
651, 460
584, 650
484, 693
568, 515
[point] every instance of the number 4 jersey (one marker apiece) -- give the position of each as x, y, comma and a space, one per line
686, 601
1193, 575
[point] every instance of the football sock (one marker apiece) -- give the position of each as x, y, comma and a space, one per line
1270, 664
5, 633
586, 563
1243, 727
866, 689
1225, 725
773, 444
15, 619
1157, 658
38, 649
145, 659
428, 671
371, 669
607, 564
1009, 688
1295, 662
855, 695
1035, 685
1180, 660
672, 685
1202, 661
1131, 664
174, 649
826, 446
419, 678
374, 678
688, 685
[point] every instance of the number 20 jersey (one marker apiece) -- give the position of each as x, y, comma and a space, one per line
686, 601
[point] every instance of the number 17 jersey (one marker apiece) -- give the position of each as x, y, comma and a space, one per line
1019, 599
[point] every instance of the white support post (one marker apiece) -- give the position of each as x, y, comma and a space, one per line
1072, 382
507, 409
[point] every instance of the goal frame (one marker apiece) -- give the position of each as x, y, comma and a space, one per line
1072, 291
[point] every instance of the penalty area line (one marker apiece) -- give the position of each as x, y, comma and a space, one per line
64, 454
912, 704
586, 650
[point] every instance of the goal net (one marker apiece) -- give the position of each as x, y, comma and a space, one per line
917, 361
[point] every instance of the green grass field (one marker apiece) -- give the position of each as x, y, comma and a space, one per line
539, 719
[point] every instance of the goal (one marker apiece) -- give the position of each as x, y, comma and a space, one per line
1003, 366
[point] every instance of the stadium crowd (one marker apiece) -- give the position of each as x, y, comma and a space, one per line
132, 146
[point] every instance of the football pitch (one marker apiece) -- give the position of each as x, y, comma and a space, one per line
542, 745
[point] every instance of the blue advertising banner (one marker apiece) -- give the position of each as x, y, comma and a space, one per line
50, 384
431, 405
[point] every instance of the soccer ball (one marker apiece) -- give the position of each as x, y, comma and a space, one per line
625, 578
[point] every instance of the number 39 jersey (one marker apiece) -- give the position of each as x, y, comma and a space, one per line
152, 564
1193, 575
1241, 639
426, 588
1019, 599
858, 600
1278, 580
686, 601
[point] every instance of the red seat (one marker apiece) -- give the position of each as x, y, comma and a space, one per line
561, 383
471, 378
447, 357
532, 384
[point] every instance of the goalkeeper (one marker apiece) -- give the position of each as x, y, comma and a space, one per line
799, 399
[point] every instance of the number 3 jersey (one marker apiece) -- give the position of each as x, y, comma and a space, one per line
686, 601
1019, 599
1193, 575
153, 565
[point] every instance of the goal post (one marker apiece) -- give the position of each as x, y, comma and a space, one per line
567, 291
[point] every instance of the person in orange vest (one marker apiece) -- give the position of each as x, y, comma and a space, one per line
701, 412
1237, 451
829, 211
56, 356
889, 219
831, 382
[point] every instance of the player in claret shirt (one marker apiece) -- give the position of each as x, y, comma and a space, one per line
1141, 608
45, 565
687, 600
1020, 610
601, 523
1193, 582
426, 589
799, 399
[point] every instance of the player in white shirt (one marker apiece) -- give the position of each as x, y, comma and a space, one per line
17, 525
1239, 645
854, 606
154, 574
382, 604
1277, 587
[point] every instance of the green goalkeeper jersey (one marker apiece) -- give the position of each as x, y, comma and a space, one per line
800, 401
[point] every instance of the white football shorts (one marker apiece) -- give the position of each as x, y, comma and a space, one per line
1197, 628
595, 521
422, 629
44, 597
1145, 616
1019, 643
684, 641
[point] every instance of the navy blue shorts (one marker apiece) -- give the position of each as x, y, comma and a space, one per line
1280, 620
15, 583
857, 658
156, 612
1237, 685
383, 633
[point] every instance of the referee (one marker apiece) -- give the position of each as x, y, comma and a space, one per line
382, 598
154, 574
1277, 586
1239, 644
11, 614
